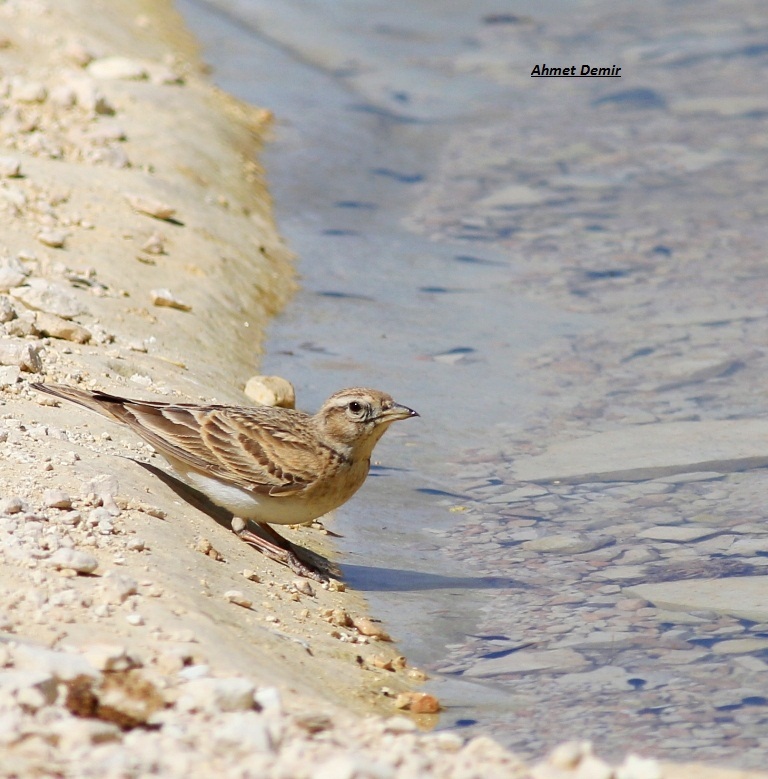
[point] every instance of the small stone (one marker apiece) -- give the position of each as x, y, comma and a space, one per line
401, 724
238, 524
57, 499
53, 238
229, 694
9, 375
119, 586
23, 326
73, 560
28, 91
563, 543
341, 767
56, 327
105, 487
62, 96
245, 731
75, 733
97, 517
635, 767
151, 207
304, 587
163, 75
271, 391
166, 299
79, 54
526, 661
384, 663
12, 505
7, 311
25, 356
568, 755
334, 585
237, 597
63, 666
155, 244
418, 702
135, 619
251, 575
337, 617
677, 533
367, 627
31, 689
204, 546
268, 699
121, 68
192, 672
141, 380
171, 662
107, 131
10, 168
42, 295
89, 97
109, 657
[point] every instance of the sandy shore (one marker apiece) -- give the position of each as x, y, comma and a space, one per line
138, 254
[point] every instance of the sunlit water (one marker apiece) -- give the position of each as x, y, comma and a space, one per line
389, 120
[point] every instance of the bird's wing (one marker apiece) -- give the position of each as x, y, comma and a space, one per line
256, 449
266, 450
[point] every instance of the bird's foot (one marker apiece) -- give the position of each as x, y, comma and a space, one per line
277, 548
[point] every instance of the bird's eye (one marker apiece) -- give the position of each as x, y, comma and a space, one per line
355, 407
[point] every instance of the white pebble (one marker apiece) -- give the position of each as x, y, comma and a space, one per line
244, 730
166, 299
25, 356
109, 657
73, 560
117, 68
12, 505
119, 586
57, 499
237, 597
63, 666
28, 91
7, 311
53, 238
209, 694
304, 587
43, 295
150, 206
10, 168
271, 391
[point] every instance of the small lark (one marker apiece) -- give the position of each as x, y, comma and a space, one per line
269, 465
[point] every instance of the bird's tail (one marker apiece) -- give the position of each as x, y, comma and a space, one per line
102, 402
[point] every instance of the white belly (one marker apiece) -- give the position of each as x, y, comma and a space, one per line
277, 510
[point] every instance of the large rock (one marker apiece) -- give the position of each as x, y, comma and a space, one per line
639, 452
526, 661
741, 597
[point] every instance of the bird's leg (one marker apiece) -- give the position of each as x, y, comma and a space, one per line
276, 548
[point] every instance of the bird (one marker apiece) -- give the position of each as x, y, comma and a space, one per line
273, 466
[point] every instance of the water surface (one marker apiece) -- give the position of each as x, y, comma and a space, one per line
525, 262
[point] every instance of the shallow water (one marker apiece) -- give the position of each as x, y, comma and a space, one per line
528, 262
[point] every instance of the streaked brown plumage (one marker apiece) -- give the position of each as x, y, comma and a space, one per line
271, 465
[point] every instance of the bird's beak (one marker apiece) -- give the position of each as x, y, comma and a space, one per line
397, 412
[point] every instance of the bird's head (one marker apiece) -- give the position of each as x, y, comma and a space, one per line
357, 418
